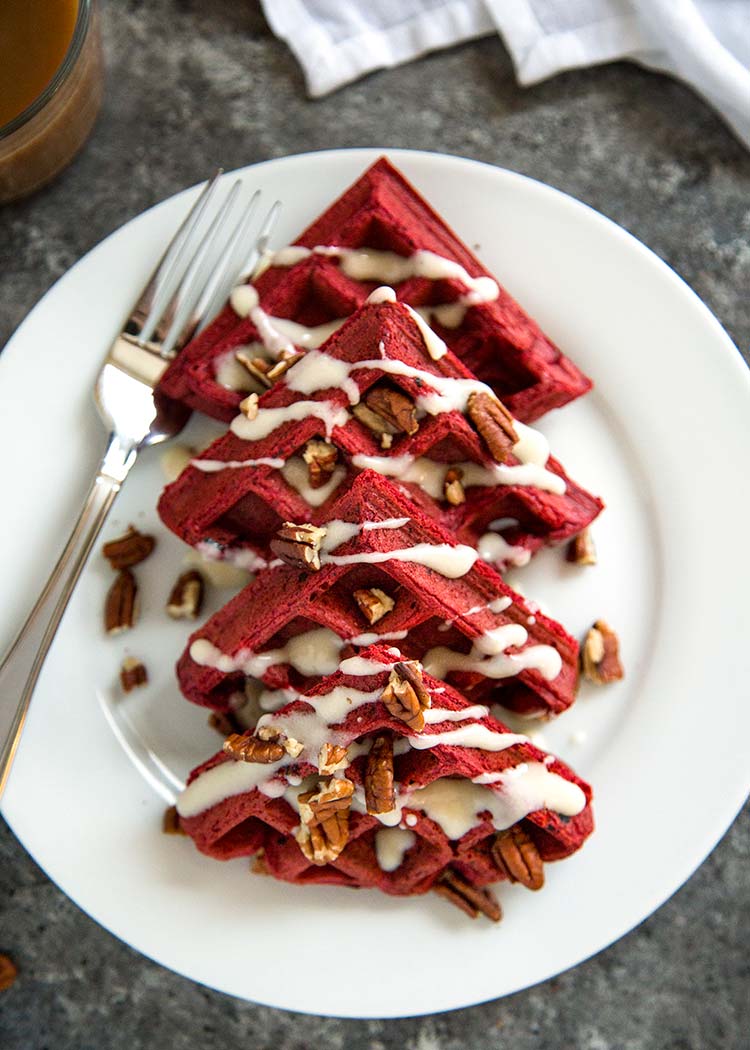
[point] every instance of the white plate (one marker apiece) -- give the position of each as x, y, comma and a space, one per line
664, 438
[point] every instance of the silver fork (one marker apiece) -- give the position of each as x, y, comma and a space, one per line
188, 287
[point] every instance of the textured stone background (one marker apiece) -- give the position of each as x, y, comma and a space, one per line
194, 83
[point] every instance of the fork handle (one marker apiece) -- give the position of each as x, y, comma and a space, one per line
23, 662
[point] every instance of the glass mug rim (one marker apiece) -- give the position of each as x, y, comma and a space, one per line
83, 19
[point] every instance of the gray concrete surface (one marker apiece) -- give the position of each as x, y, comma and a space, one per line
199, 82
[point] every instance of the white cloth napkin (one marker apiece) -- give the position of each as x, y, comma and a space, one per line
705, 43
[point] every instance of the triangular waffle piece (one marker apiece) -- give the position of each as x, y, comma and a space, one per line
382, 212
297, 470
387, 573
442, 795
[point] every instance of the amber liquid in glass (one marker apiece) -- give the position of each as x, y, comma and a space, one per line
34, 39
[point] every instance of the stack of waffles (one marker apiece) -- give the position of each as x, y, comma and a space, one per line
379, 474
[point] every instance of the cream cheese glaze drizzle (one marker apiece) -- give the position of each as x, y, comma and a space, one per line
371, 264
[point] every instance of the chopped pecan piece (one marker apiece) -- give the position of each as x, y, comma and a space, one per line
121, 604
8, 972
453, 490
581, 549
405, 695
258, 367
470, 899
299, 545
515, 854
386, 440
249, 406
324, 831
380, 795
258, 865
494, 423
127, 550
332, 758
133, 674
290, 745
283, 366
251, 749
600, 655
373, 603
186, 598
170, 824
321, 462
226, 723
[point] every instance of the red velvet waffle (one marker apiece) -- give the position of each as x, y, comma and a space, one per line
242, 507
433, 612
236, 809
497, 340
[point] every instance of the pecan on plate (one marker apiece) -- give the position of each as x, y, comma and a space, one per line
387, 411
494, 423
515, 854
121, 604
373, 603
321, 458
170, 824
8, 972
600, 655
405, 695
186, 597
380, 795
299, 545
453, 490
258, 367
470, 899
251, 749
332, 758
127, 550
581, 549
133, 674
324, 831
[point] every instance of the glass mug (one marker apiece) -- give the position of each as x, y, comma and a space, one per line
51, 85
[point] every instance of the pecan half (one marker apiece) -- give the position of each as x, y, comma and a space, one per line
380, 794
251, 749
258, 367
283, 366
8, 972
299, 545
321, 462
581, 549
127, 550
186, 598
170, 824
332, 758
324, 831
405, 695
494, 423
470, 899
121, 604
453, 490
249, 406
600, 655
393, 407
133, 674
373, 603
515, 854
